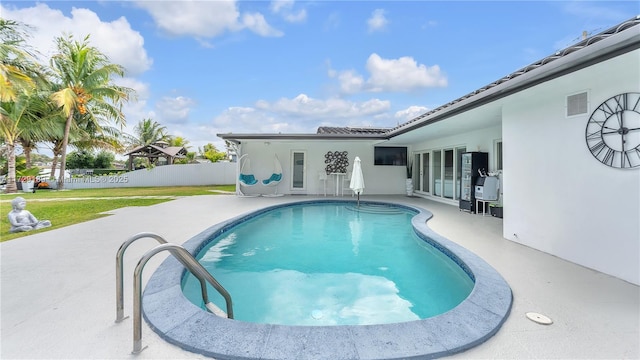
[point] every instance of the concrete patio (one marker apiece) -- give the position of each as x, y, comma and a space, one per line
58, 287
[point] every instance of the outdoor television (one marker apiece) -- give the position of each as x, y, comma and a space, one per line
390, 155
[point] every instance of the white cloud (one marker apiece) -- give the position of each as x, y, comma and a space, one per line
193, 18
377, 21
251, 120
257, 23
116, 39
285, 9
410, 113
301, 114
172, 110
403, 74
390, 75
350, 82
296, 17
204, 19
309, 108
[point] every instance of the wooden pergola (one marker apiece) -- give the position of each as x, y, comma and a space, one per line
156, 151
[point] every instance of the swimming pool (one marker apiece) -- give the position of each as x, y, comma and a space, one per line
170, 314
330, 264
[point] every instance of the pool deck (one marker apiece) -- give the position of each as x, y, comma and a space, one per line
58, 287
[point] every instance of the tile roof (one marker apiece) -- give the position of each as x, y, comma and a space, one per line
352, 130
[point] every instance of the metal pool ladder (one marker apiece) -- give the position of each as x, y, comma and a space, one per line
186, 259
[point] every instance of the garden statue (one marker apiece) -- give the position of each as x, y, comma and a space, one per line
23, 220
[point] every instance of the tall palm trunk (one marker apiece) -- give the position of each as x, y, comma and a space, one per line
11, 169
26, 150
54, 165
63, 155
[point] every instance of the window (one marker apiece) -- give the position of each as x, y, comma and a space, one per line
498, 154
298, 166
387, 155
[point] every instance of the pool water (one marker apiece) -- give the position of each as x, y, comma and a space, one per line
330, 264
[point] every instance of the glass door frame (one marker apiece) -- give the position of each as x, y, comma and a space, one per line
420, 173
295, 171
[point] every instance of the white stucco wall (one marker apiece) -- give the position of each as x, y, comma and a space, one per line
559, 198
379, 180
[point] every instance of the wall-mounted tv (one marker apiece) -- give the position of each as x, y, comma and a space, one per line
390, 155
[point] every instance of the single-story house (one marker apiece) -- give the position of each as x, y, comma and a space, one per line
563, 135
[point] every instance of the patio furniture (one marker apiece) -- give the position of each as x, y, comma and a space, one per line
246, 177
322, 177
275, 178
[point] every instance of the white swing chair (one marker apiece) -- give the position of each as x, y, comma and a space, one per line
245, 177
275, 178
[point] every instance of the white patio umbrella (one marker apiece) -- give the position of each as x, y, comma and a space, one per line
357, 180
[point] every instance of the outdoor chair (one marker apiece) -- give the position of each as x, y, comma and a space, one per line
246, 177
275, 178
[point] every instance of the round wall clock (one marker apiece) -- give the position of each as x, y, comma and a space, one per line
613, 131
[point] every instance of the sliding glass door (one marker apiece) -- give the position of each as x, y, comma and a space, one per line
438, 172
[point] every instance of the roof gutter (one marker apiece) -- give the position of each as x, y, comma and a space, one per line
279, 136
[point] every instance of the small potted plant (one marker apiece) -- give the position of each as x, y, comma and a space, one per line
27, 183
27, 178
409, 181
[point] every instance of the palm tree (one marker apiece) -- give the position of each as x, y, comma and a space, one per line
93, 136
17, 68
148, 132
15, 117
179, 141
85, 75
19, 75
40, 125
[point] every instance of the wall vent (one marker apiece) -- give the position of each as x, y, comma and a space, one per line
577, 104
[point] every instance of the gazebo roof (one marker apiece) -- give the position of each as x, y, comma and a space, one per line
157, 151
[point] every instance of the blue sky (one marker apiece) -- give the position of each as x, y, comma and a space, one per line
207, 67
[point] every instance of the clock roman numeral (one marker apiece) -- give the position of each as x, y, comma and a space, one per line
594, 135
626, 157
607, 110
631, 158
636, 105
621, 102
609, 156
597, 148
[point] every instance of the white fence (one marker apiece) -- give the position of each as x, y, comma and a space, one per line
220, 173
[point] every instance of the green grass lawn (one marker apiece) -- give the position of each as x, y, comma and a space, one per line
67, 212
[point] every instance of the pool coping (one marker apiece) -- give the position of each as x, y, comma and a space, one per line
469, 324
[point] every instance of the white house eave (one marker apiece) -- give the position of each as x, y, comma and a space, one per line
265, 136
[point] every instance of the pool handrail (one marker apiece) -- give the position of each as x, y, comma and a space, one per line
192, 265
119, 270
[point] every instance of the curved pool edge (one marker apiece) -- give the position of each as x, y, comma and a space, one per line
469, 324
